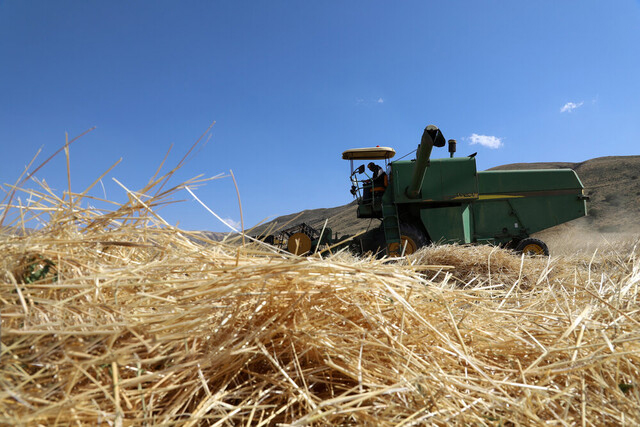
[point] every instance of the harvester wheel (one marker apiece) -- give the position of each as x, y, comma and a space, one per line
411, 239
299, 243
531, 246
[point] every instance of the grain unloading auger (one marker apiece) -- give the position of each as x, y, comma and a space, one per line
448, 201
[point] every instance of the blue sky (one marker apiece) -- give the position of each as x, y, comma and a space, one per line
292, 84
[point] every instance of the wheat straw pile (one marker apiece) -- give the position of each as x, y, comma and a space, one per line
117, 318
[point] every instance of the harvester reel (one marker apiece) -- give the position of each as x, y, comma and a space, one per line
531, 246
299, 243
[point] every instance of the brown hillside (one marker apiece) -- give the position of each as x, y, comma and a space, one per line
341, 219
612, 183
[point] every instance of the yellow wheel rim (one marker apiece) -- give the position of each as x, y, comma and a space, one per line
533, 249
406, 243
299, 243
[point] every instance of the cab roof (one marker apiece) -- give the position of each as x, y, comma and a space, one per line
369, 153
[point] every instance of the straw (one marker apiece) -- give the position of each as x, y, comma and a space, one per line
117, 317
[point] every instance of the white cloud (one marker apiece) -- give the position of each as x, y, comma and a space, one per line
570, 106
235, 224
370, 101
486, 140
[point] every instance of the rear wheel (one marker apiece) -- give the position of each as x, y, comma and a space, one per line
531, 246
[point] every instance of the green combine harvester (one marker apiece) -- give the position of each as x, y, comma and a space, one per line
447, 200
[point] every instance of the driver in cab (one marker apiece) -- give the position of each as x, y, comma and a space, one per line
379, 179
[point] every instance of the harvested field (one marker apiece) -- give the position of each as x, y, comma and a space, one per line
116, 317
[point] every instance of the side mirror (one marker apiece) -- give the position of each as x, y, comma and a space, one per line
360, 169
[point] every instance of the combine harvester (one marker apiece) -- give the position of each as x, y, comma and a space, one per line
447, 200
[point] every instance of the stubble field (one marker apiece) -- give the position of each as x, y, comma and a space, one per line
117, 317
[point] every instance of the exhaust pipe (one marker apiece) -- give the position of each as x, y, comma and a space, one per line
430, 137
452, 147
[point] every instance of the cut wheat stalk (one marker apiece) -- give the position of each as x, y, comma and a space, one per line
117, 316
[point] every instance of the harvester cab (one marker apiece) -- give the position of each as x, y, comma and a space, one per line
369, 188
447, 200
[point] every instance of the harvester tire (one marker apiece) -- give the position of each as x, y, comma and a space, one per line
531, 246
412, 238
299, 243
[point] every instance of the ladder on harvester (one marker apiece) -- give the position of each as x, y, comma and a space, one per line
391, 227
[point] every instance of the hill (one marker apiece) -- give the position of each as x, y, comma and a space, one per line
612, 183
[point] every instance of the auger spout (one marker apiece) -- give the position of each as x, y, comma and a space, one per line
430, 137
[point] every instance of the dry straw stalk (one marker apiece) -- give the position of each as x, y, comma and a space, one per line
116, 317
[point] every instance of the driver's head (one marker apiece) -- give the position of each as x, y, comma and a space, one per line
371, 166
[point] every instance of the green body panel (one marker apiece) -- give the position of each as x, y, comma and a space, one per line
449, 224
446, 179
498, 221
390, 223
524, 202
505, 181
458, 204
